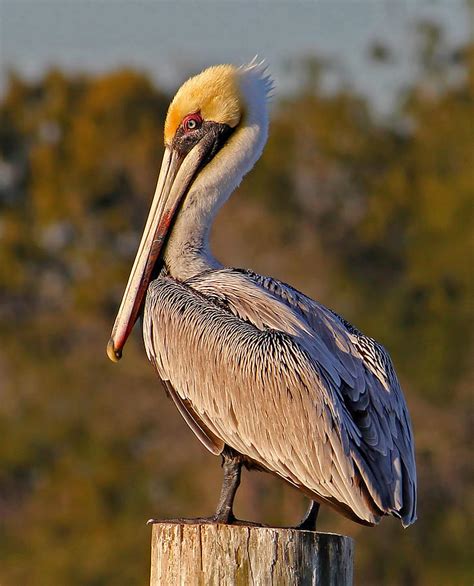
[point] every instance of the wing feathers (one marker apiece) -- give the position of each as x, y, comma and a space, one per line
283, 380
211, 441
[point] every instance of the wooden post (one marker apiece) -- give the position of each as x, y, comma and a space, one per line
225, 555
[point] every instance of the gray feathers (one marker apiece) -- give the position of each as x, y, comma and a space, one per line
252, 363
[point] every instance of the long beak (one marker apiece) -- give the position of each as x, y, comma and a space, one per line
175, 177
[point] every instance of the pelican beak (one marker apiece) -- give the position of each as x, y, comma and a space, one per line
176, 174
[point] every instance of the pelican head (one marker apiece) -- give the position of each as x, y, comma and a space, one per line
221, 111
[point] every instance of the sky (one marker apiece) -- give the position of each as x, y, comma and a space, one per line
169, 39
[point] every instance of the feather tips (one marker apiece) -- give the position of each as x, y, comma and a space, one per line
280, 379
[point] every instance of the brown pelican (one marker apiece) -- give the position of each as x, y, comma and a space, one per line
263, 375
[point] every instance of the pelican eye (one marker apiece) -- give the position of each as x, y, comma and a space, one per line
192, 122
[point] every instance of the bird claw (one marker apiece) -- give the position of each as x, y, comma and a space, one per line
243, 523
183, 521
213, 520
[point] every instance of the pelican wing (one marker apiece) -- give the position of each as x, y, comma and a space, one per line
212, 443
289, 384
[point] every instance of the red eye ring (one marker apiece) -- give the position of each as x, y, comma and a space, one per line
192, 122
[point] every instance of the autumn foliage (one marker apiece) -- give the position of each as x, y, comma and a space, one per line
371, 216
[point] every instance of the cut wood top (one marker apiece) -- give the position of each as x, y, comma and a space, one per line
225, 555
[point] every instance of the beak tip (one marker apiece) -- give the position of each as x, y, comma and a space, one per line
112, 353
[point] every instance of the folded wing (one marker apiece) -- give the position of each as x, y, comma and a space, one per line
288, 383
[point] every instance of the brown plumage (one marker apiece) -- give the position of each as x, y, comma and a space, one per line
261, 373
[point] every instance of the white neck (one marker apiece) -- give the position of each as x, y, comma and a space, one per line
187, 252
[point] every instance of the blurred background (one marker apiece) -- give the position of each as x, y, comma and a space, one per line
363, 199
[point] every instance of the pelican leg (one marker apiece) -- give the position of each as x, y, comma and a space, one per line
308, 523
232, 466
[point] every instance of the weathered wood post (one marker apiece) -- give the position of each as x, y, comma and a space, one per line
224, 555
